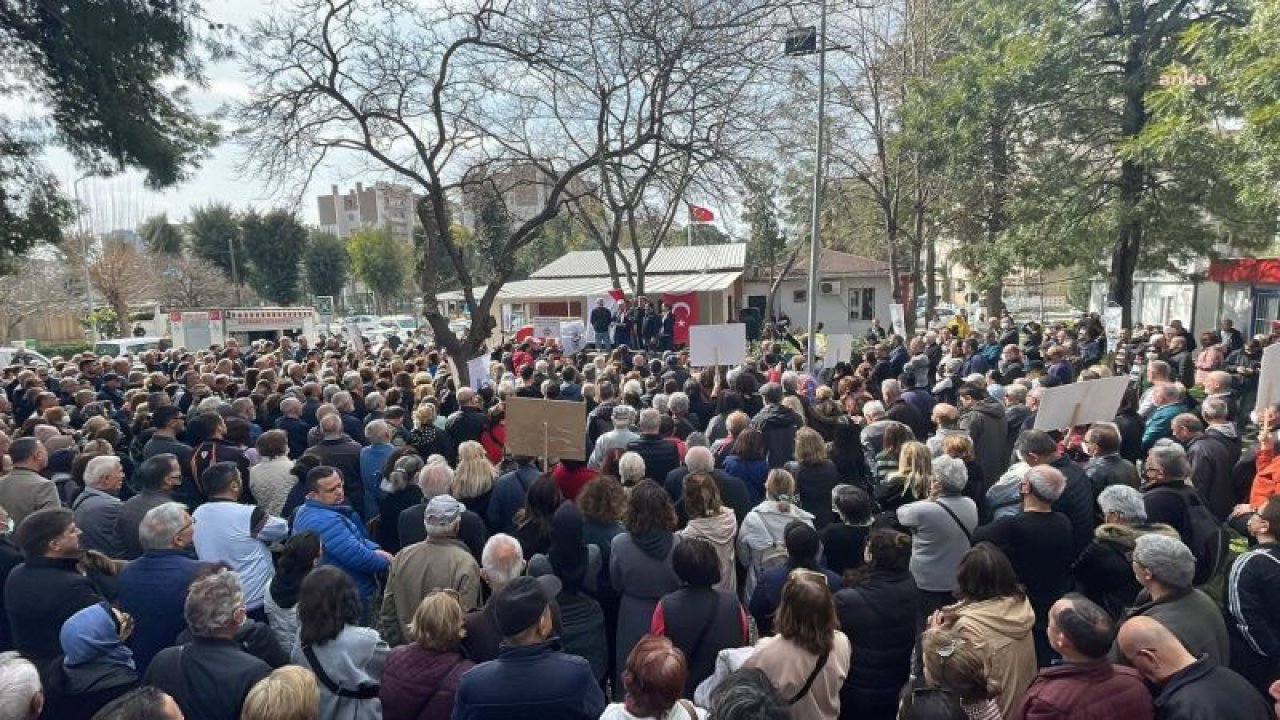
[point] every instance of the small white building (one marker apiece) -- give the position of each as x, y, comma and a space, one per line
852, 290
566, 287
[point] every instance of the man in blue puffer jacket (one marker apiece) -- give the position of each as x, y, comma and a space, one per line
345, 543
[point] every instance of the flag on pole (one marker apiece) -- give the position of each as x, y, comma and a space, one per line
699, 214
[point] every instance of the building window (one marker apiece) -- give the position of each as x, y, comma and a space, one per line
799, 296
862, 303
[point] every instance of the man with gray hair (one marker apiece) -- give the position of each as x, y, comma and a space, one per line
1075, 499
436, 479
1165, 490
440, 561
1038, 542
372, 459
294, 426
1211, 465
1168, 404
678, 407
210, 676
501, 562
778, 423
469, 422
97, 508
1165, 568
346, 407
941, 524
1218, 426
733, 492
153, 588
21, 697
618, 438
660, 454
375, 407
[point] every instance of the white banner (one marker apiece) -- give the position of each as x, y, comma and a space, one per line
1269, 377
1080, 403
546, 327
717, 344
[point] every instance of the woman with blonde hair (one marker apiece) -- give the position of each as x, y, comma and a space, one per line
808, 660
711, 521
420, 679
910, 482
957, 665
961, 448
816, 476
473, 477
288, 693
427, 437
760, 541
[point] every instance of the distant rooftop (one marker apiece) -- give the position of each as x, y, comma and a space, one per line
731, 257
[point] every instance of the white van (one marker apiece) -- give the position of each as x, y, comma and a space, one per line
9, 356
126, 347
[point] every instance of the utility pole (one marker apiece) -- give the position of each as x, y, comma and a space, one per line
806, 41
235, 276
84, 247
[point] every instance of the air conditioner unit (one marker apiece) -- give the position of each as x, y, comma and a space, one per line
829, 288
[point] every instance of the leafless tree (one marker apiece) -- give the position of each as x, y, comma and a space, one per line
454, 92
40, 285
191, 282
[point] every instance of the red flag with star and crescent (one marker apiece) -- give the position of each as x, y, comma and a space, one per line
685, 309
700, 214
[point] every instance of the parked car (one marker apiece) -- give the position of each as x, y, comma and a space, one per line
126, 347
22, 356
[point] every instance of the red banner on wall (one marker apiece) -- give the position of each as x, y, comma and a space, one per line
685, 309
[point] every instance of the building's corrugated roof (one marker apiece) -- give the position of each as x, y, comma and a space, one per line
831, 263
557, 288
666, 261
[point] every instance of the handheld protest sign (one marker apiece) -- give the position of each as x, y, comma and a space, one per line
839, 348
711, 345
478, 371
546, 428
1059, 405
898, 319
573, 336
1269, 377
1102, 400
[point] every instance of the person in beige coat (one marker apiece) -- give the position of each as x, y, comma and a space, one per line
808, 660
711, 521
995, 614
442, 561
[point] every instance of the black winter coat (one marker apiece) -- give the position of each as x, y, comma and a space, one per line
702, 622
39, 596
778, 424
661, 456
879, 616
1076, 503
814, 483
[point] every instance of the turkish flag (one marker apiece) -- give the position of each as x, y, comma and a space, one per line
699, 214
617, 294
685, 309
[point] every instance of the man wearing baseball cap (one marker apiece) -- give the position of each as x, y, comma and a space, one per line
531, 676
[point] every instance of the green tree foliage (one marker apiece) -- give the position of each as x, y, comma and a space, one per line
101, 69
213, 234
275, 244
327, 264
160, 235
381, 262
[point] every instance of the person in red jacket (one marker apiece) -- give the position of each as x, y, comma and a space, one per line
1086, 684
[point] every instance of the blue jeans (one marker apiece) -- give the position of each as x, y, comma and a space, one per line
602, 340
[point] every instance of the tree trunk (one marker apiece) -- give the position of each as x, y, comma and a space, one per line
776, 282
997, 212
1132, 184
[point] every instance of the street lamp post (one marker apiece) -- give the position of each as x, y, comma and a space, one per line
811, 342
84, 246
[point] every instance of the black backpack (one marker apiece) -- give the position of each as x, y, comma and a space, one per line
1205, 535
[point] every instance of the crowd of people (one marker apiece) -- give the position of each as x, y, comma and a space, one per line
282, 531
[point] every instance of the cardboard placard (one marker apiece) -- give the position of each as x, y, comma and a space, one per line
573, 336
839, 348
898, 319
717, 344
546, 428
1269, 377
1080, 403
478, 372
